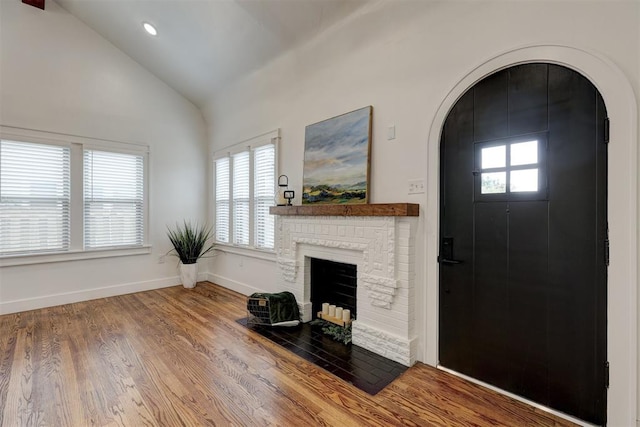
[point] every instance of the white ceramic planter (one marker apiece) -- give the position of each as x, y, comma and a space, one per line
189, 275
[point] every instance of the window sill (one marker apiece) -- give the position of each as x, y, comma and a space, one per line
249, 252
15, 260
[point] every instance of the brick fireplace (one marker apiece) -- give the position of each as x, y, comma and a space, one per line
379, 240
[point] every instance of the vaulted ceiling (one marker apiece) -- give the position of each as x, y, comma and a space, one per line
204, 44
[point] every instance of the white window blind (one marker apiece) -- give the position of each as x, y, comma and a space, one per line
241, 198
113, 199
222, 200
264, 195
245, 183
34, 197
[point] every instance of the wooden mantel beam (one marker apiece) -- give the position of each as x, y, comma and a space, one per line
377, 209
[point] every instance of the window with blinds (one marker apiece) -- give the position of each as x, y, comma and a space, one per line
244, 190
241, 197
264, 195
222, 198
113, 199
34, 198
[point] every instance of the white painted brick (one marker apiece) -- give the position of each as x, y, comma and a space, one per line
403, 283
403, 242
404, 267
404, 232
391, 346
380, 246
350, 231
403, 275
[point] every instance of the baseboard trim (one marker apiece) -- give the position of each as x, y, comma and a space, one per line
234, 285
44, 301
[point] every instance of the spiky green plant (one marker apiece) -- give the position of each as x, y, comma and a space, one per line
190, 241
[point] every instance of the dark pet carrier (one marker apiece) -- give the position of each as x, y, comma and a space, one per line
279, 309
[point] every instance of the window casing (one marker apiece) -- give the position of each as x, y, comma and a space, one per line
52, 187
244, 190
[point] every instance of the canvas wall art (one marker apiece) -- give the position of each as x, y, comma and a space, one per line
336, 159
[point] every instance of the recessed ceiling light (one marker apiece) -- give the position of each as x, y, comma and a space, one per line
150, 29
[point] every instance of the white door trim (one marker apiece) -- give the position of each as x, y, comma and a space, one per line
621, 104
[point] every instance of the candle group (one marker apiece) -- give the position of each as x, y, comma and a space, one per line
337, 312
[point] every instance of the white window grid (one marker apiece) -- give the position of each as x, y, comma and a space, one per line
76, 145
241, 212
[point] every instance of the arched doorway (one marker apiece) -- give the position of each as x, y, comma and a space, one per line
523, 232
622, 275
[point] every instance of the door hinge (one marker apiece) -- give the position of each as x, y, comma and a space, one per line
606, 374
606, 248
607, 125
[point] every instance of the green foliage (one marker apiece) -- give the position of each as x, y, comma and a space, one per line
190, 241
325, 194
337, 332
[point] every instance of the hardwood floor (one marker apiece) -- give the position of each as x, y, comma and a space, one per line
176, 357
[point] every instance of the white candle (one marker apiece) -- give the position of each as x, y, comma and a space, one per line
325, 308
339, 312
332, 310
346, 314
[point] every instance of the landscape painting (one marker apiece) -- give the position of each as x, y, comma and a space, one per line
336, 159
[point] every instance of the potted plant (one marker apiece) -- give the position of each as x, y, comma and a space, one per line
190, 243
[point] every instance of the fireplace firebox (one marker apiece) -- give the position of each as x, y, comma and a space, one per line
333, 282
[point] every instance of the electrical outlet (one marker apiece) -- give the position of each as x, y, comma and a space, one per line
416, 186
162, 259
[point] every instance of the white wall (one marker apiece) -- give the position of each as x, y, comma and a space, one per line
58, 75
403, 57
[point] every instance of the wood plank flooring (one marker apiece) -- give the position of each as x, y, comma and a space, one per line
176, 357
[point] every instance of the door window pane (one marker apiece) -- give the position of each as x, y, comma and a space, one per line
524, 180
524, 153
494, 182
515, 165
494, 157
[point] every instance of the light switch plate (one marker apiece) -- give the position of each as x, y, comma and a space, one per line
391, 132
416, 186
